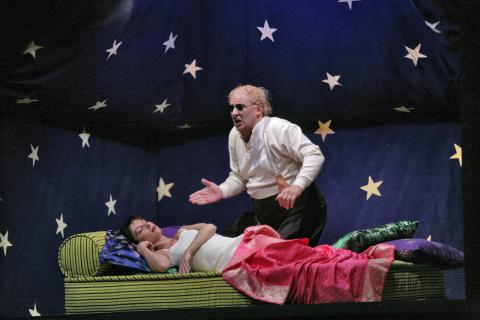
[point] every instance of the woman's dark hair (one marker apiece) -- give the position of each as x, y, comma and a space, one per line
125, 228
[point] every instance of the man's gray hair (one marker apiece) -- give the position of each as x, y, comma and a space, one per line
257, 95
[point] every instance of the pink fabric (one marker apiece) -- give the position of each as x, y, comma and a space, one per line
270, 269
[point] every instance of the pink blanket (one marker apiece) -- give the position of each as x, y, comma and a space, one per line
270, 269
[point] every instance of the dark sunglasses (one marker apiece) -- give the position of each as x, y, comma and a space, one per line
239, 107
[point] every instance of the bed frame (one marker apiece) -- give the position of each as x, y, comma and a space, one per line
92, 287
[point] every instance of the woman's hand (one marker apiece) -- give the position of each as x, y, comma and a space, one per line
144, 246
186, 262
158, 261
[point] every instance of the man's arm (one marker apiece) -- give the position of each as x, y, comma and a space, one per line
297, 146
205, 232
235, 183
232, 186
301, 148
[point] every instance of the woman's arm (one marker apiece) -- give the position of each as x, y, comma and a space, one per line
158, 261
205, 232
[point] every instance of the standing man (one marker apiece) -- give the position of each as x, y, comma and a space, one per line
276, 163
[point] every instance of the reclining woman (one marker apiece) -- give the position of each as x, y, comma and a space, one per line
265, 267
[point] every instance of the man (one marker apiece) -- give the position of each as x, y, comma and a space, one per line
276, 163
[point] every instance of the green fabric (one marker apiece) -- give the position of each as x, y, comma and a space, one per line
360, 240
144, 277
78, 255
153, 291
409, 281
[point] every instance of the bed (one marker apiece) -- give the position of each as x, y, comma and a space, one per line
94, 287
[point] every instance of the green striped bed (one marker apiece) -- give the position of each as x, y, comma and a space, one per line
89, 288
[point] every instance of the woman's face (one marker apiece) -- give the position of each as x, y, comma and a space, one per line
143, 230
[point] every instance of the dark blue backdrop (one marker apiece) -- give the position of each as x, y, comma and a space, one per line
393, 120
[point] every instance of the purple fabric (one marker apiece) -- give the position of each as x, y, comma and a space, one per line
423, 251
170, 231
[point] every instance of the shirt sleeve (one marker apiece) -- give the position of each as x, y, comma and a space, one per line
296, 145
235, 183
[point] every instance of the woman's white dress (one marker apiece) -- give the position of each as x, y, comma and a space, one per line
212, 256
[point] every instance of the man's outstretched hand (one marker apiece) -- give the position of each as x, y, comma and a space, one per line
210, 194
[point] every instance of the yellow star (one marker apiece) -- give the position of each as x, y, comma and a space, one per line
324, 129
429, 238
163, 189
372, 187
458, 154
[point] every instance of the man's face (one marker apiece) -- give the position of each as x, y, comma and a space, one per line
244, 120
143, 230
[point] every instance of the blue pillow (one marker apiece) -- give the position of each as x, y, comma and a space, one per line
120, 251
423, 251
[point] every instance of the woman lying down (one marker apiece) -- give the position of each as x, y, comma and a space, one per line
265, 267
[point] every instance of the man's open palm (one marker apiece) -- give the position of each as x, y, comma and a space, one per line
210, 194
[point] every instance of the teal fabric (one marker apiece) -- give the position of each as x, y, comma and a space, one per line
360, 240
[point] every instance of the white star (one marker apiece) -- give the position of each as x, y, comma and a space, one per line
163, 189
185, 126
4, 243
31, 48
161, 107
111, 206
403, 109
84, 136
113, 49
433, 26
34, 312
192, 68
34, 154
60, 225
170, 43
349, 2
414, 54
332, 80
266, 31
99, 104
25, 101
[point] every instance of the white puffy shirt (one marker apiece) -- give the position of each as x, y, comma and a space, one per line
297, 158
213, 255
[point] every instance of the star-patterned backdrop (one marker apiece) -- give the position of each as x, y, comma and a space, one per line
116, 108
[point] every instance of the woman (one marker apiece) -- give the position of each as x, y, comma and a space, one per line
265, 267
196, 246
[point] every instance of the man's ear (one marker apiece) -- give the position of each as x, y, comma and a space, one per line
260, 109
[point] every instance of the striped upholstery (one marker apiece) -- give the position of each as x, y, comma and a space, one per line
408, 281
78, 255
150, 292
142, 292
